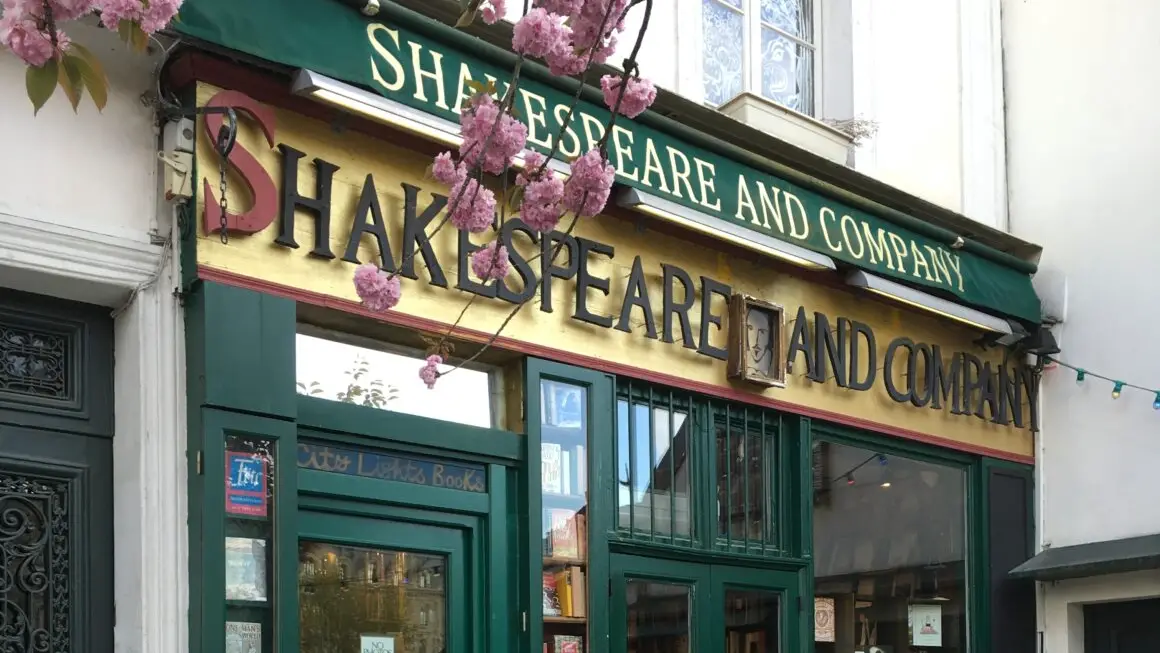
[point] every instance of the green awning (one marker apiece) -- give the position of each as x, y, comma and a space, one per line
417, 65
1094, 559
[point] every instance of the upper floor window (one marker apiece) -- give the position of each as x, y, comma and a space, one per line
765, 47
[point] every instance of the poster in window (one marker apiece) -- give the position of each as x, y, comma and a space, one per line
245, 484
565, 405
925, 624
376, 643
823, 619
245, 569
243, 637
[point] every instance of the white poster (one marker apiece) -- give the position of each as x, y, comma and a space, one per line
243, 637
925, 621
376, 644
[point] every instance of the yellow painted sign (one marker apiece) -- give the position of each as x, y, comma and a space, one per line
631, 298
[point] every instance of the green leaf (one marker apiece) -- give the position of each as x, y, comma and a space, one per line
478, 87
94, 75
467, 18
70, 80
125, 30
41, 83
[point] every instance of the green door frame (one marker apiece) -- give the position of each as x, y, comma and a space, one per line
709, 582
463, 589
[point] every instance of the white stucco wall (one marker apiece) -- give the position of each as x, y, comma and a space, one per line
928, 72
79, 219
1081, 141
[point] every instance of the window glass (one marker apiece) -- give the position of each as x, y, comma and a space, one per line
653, 464
390, 381
724, 68
752, 621
658, 617
889, 553
745, 476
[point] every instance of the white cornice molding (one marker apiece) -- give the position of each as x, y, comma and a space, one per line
43, 247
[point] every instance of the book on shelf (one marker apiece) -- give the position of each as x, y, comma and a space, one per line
551, 597
571, 592
565, 540
569, 644
551, 479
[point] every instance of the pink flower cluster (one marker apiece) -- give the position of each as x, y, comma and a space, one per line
637, 97
483, 124
430, 372
24, 29
492, 10
568, 34
471, 204
543, 192
378, 290
491, 262
587, 190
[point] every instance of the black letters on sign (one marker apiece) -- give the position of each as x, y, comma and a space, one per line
672, 308
415, 235
319, 205
368, 205
709, 288
637, 295
521, 265
585, 280
549, 269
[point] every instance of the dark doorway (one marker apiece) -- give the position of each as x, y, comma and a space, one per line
1123, 627
56, 464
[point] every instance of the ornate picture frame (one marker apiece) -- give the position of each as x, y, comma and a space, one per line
756, 343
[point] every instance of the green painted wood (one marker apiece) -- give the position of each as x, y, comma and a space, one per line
240, 350
404, 494
464, 582
405, 431
601, 411
787, 587
624, 569
217, 425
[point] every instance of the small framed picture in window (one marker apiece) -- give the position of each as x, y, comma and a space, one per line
755, 341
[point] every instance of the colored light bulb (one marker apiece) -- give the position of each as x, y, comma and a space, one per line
849, 479
1156, 403
1079, 374
1117, 389
882, 459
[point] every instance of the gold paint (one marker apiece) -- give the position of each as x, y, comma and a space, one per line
392, 60
356, 155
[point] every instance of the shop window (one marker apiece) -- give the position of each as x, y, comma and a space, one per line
249, 529
889, 552
746, 471
658, 616
367, 374
654, 454
353, 598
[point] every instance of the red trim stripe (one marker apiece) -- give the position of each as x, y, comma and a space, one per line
209, 273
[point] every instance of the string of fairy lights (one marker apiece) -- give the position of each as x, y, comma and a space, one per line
1082, 374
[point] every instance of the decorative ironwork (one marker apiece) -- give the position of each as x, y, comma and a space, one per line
34, 363
34, 565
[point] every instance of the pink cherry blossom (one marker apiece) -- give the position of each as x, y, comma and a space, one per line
637, 97
115, 11
20, 34
472, 205
532, 162
543, 191
430, 372
587, 21
444, 169
562, 7
493, 10
541, 34
378, 290
587, 189
491, 262
157, 14
478, 122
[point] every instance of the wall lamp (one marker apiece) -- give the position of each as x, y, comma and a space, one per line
347, 97
928, 302
631, 198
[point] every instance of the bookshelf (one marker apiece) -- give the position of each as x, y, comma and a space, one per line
564, 455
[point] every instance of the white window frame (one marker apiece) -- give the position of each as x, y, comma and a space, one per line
691, 70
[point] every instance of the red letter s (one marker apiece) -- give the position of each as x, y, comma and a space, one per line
253, 175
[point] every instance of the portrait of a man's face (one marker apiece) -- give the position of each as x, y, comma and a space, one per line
759, 350
755, 328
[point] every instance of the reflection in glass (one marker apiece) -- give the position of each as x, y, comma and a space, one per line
658, 617
653, 465
889, 543
345, 592
389, 381
751, 622
743, 478
723, 62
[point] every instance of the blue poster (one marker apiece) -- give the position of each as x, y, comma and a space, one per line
245, 484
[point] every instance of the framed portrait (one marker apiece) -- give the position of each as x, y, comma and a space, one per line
755, 342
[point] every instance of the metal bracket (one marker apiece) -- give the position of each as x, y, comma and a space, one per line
227, 136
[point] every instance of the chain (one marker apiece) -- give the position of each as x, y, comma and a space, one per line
224, 204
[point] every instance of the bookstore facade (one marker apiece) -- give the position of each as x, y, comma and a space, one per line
680, 444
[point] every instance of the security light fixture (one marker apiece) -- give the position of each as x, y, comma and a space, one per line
341, 95
664, 209
928, 302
